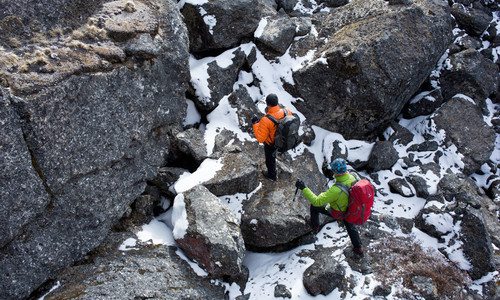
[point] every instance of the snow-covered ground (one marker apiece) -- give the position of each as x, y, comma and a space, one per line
267, 269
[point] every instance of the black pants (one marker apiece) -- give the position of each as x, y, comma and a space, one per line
352, 231
270, 154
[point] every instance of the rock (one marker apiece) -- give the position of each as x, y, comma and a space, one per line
473, 21
474, 140
303, 25
280, 290
212, 237
476, 239
22, 191
424, 103
124, 23
333, 3
238, 175
23, 20
147, 271
273, 218
457, 187
425, 286
287, 5
431, 146
461, 223
490, 212
469, 42
308, 134
216, 25
401, 187
471, 74
220, 81
191, 143
400, 135
400, 2
246, 108
166, 178
141, 210
365, 88
324, 275
383, 156
277, 36
420, 185
382, 291
143, 47
494, 191
95, 139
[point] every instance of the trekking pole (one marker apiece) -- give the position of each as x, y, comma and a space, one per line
296, 191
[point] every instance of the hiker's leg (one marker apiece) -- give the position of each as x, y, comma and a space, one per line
315, 211
353, 233
270, 160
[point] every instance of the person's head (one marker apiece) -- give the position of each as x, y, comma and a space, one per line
272, 100
339, 166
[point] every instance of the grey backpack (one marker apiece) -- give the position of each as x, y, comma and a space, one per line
287, 131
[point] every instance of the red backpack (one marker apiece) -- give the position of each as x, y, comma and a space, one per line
359, 207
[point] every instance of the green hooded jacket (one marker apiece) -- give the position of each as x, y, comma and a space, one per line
334, 195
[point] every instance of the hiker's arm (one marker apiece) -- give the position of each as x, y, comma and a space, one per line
261, 131
319, 200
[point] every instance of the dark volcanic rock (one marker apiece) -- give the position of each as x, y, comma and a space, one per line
212, 237
145, 272
95, 139
474, 139
371, 59
383, 156
471, 74
324, 275
22, 191
222, 24
273, 217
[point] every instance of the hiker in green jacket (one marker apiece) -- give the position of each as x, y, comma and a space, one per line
333, 202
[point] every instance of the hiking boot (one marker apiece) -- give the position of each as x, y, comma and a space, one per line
266, 174
358, 252
315, 229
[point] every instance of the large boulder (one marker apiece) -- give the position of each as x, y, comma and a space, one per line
383, 156
371, 58
324, 275
144, 271
473, 20
222, 24
212, 236
237, 175
471, 74
275, 216
277, 36
96, 129
221, 76
474, 139
455, 218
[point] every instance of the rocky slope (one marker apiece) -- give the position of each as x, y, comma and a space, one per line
95, 134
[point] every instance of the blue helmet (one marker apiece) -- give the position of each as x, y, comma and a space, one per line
339, 166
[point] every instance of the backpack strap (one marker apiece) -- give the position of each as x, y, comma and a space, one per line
273, 119
285, 112
342, 187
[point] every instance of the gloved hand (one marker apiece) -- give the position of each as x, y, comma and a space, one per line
300, 184
255, 119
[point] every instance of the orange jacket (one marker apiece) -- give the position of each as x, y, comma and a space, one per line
265, 129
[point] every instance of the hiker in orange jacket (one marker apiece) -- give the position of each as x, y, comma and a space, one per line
265, 131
